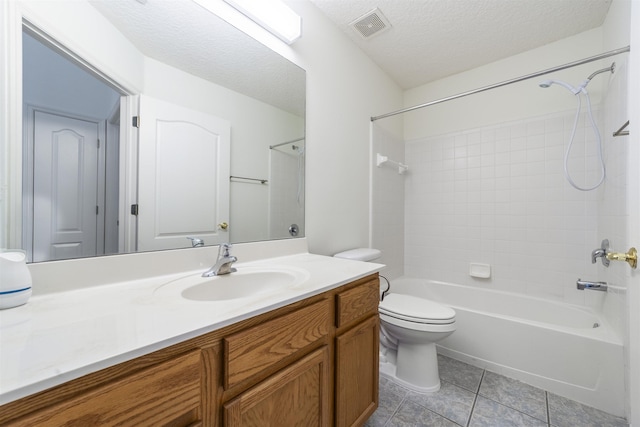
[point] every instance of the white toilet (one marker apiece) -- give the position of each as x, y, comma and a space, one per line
409, 328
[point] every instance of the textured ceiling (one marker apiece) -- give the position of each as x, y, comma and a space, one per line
432, 39
182, 34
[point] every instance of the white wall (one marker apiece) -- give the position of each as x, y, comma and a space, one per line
52, 81
344, 89
87, 33
388, 207
513, 102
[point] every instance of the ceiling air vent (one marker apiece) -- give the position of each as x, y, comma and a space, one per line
371, 24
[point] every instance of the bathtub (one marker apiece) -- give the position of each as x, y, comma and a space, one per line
565, 349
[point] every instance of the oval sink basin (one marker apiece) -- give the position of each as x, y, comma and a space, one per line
244, 283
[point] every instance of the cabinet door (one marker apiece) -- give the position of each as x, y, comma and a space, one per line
357, 373
167, 394
296, 396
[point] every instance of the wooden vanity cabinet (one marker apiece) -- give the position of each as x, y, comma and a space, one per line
356, 353
311, 363
167, 394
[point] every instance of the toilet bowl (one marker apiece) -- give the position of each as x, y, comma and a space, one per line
410, 327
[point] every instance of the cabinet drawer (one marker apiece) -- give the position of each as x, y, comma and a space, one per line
249, 352
155, 396
357, 302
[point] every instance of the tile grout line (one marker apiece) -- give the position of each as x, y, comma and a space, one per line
475, 399
546, 401
395, 411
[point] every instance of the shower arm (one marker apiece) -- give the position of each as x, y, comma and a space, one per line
610, 69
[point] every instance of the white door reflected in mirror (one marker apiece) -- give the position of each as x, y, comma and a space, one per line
181, 149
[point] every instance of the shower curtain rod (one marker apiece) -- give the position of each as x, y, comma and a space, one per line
507, 82
271, 147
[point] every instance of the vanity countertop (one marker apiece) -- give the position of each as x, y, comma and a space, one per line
60, 336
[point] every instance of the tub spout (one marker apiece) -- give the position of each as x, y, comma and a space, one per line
594, 286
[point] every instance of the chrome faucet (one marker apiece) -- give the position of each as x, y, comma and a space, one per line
601, 253
223, 263
196, 242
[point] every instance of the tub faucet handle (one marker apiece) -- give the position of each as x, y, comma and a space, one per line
601, 253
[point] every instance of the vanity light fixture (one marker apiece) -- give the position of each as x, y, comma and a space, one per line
272, 15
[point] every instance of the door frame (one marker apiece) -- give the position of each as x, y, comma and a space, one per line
16, 17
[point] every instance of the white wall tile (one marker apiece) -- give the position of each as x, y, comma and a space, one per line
500, 196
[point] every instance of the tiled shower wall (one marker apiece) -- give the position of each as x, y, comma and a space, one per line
497, 195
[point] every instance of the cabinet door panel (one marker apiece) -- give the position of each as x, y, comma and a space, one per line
296, 396
255, 349
165, 394
356, 387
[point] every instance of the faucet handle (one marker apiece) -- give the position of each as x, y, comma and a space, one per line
601, 253
630, 257
195, 241
224, 250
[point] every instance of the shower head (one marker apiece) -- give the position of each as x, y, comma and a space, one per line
583, 85
548, 83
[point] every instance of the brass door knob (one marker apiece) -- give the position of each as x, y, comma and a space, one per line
223, 225
630, 257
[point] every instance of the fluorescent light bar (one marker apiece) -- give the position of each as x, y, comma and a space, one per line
272, 15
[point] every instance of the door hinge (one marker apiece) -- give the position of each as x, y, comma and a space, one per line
135, 122
134, 209
98, 144
97, 210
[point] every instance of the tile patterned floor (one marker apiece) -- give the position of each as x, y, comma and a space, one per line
474, 397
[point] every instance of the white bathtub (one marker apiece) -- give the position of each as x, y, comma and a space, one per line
549, 345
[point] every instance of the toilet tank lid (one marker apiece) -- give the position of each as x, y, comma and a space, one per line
360, 254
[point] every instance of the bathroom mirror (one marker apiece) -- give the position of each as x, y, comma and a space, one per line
180, 62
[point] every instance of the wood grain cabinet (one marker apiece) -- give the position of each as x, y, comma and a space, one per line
167, 394
357, 350
296, 396
311, 363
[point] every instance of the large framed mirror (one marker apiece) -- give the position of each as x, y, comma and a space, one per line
151, 125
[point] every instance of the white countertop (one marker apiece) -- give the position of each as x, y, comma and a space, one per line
60, 336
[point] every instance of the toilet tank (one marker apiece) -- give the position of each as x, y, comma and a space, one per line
360, 254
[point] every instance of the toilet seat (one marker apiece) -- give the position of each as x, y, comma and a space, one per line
416, 310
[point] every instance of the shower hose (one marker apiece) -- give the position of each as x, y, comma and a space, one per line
596, 132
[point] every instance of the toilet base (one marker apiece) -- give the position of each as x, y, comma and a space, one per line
388, 370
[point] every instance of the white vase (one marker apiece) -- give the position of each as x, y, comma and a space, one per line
15, 279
